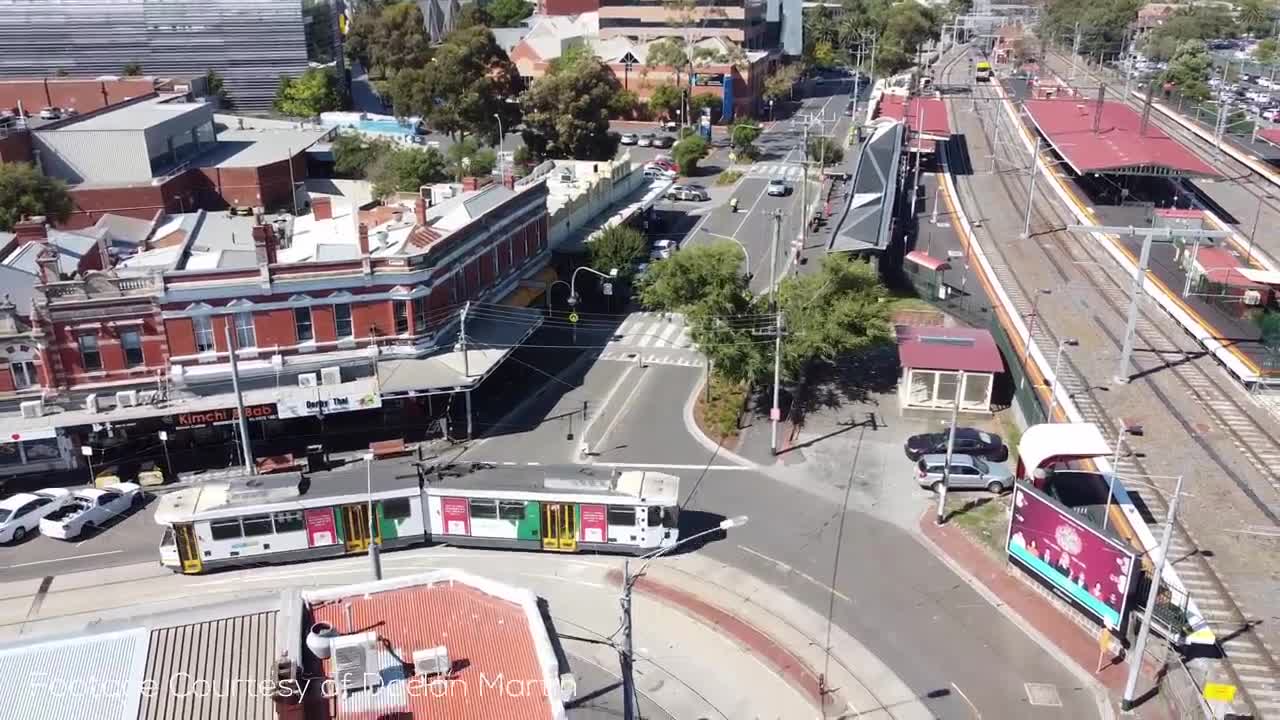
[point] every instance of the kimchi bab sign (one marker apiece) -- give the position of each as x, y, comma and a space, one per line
1078, 562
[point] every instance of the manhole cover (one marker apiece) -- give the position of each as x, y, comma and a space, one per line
1043, 694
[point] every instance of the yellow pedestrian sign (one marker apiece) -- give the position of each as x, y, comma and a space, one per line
1218, 692
573, 317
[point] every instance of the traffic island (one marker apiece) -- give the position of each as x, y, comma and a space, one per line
718, 412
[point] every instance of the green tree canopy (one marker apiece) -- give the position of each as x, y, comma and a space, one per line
406, 170
688, 152
1266, 51
467, 157
315, 91
216, 88
26, 192
665, 98
387, 38
1190, 23
566, 111
742, 137
668, 52
468, 81
1102, 25
825, 150
618, 247
780, 84
1189, 70
132, 69
354, 154
508, 13
831, 313
318, 28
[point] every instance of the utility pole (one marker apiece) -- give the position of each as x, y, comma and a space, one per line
375, 561
628, 679
1075, 52
951, 443
1031, 190
1031, 330
915, 185
804, 189
775, 413
1139, 647
245, 443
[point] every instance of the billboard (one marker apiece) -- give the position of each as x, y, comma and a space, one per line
457, 515
221, 416
1079, 563
709, 79
595, 524
322, 529
312, 403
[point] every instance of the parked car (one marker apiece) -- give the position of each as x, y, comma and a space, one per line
50, 113
967, 473
669, 125
20, 514
91, 508
657, 171
627, 138
645, 140
663, 249
663, 141
1271, 113
778, 188
969, 441
687, 192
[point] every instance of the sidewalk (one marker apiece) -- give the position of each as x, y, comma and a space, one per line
1042, 620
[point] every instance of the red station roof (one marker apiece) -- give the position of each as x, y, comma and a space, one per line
1271, 135
953, 348
924, 114
1220, 266
1117, 147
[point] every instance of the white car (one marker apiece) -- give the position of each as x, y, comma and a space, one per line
20, 514
91, 508
663, 249
645, 140
657, 171
778, 188
627, 138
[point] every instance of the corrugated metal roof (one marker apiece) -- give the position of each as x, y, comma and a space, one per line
212, 670
100, 677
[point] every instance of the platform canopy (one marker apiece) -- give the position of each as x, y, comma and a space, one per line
1113, 142
1059, 441
1271, 135
925, 118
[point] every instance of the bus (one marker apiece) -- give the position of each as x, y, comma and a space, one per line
278, 518
982, 71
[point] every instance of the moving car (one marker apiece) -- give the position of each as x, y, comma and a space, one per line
687, 192
627, 138
778, 188
663, 249
20, 514
645, 140
969, 441
657, 171
967, 473
91, 508
663, 141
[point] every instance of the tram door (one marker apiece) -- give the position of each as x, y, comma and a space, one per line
184, 537
355, 519
559, 527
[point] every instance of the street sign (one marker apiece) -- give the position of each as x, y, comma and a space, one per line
608, 288
1218, 692
775, 414
86, 451
573, 317
164, 436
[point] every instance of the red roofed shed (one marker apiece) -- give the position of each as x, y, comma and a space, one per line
938, 361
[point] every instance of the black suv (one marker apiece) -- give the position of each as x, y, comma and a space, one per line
969, 441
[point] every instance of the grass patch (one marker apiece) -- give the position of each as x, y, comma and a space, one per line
910, 302
719, 416
1012, 433
728, 177
985, 519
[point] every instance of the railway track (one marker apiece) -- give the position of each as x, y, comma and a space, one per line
1082, 265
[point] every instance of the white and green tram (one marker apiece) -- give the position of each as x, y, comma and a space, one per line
262, 520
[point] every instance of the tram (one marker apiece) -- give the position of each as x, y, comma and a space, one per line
267, 519
982, 71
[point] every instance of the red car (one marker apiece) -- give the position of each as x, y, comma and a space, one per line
665, 163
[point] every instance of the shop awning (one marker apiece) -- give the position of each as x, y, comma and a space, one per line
531, 289
492, 333
1065, 441
925, 260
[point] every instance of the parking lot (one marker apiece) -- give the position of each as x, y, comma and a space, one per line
134, 536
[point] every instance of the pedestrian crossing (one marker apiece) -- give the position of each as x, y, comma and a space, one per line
655, 339
775, 170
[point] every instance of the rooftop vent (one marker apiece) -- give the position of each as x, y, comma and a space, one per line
355, 665
432, 661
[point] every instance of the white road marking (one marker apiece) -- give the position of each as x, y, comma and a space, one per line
626, 407
966, 699
66, 559
667, 466
787, 568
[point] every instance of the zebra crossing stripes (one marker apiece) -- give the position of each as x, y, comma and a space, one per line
654, 339
775, 170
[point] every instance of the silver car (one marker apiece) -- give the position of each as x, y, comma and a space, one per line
967, 473
627, 138
687, 192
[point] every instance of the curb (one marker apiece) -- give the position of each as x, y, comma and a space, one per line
691, 426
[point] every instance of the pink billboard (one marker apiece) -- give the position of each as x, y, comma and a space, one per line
321, 527
595, 523
1077, 561
457, 515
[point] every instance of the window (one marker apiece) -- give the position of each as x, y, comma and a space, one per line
395, 508
484, 509
257, 525
204, 333
225, 529
420, 315
289, 521
511, 510
89, 355
107, 498
131, 342
655, 516
622, 516
245, 335
402, 316
24, 509
342, 320
302, 324
24, 374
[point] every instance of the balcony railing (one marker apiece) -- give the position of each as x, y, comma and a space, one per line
99, 285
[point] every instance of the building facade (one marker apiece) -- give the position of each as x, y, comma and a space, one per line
741, 21
250, 43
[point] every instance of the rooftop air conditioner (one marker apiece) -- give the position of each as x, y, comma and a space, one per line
307, 380
431, 661
355, 663
1252, 297
127, 398
331, 375
32, 409
91, 403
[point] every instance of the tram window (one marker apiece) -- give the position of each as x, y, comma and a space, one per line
257, 525
655, 516
224, 529
510, 510
395, 508
619, 515
484, 509
290, 521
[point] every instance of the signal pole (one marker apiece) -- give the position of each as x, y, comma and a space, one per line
775, 413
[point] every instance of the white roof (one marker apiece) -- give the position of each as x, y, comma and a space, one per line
111, 666
13, 502
649, 486
1059, 440
1265, 277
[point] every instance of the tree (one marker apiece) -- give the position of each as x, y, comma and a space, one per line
624, 104
688, 152
508, 13
354, 154
132, 69
474, 15
316, 91
824, 54
666, 98
388, 38
780, 84
406, 170
1255, 17
668, 52
317, 25
468, 81
831, 313
26, 192
216, 88
468, 158
1188, 70
566, 111
618, 247
1266, 50
825, 150
742, 136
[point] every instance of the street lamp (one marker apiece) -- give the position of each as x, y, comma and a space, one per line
1057, 363
1124, 429
501, 142
573, 292
374, 560
628, 581
1253, 231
